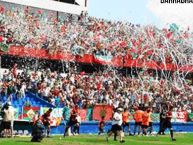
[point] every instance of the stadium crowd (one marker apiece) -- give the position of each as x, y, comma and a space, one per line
87, 90
82, 34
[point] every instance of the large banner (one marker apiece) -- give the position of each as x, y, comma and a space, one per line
29, 112
180, 116
90, 114
88, 58
59, 113
102, 110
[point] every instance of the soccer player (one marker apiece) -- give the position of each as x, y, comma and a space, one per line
138, 119
77, 125
74, 113
168, 123
116, 125
37, 130
162, 121
150, 127
101, 125
145, 120
46, 121
126, 115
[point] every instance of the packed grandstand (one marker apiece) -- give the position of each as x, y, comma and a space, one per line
160, 61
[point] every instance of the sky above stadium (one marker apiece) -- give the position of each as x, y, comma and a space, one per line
143, 12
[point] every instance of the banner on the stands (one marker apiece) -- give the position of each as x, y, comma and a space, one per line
103, 59
181, 116
90, 114
102, 110
87, 58
29, 112
63, 113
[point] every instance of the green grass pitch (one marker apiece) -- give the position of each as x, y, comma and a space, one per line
182, 139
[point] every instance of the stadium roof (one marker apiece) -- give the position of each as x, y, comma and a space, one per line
54, 5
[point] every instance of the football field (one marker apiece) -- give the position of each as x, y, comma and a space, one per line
182, 139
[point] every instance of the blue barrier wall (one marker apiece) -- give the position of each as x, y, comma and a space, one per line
92, 127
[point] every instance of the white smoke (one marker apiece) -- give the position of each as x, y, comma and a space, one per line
181, 14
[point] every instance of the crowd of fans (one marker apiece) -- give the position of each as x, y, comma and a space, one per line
86, 90
80, 34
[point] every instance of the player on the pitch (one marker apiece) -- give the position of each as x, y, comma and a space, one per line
116, 125
168, 124
101, 125
145, 120
150, 127
125, 123
73, 119
47, 121
138, 119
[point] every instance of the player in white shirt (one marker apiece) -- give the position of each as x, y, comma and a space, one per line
116, 125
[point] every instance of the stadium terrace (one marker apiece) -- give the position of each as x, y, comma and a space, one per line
69, 74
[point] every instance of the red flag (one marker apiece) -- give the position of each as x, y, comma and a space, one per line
102, 110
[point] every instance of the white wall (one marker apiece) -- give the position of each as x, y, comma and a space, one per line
52, 5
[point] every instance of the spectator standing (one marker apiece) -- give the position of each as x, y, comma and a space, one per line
8, 119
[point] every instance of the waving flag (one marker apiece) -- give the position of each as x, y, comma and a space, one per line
103, 59
102, 110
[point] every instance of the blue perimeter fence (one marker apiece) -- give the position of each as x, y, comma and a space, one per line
91, 127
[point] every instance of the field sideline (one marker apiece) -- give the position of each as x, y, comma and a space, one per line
182, 139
